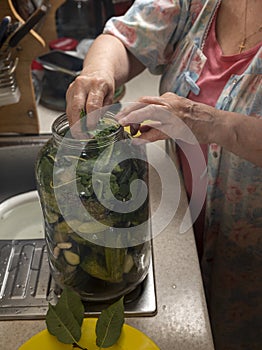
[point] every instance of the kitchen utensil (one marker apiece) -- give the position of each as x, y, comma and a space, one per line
9, 95
60, 69
25, 28
12, 27
9, 69
9, 91
4, 28
25, 8
62, 62
7, 81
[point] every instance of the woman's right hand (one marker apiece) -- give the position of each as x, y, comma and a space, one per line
91, 90
107, 65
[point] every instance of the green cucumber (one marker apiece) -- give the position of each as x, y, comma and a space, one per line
71, 258
128, 264
91, 227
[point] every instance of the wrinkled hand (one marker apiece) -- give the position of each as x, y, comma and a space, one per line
89, 91
167, 116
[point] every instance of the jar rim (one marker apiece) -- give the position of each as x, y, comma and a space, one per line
60, 128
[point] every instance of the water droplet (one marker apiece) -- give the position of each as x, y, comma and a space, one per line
164, 307
18, 286
52, 296
174, 286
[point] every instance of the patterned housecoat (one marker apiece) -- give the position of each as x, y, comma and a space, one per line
167, 36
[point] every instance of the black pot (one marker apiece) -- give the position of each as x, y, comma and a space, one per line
60, 69
54, 89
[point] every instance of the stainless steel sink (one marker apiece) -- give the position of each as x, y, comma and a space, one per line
26, 285
17, 161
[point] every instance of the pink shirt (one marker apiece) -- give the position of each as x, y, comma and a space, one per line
216, 72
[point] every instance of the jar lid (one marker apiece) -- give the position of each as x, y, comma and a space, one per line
63, 44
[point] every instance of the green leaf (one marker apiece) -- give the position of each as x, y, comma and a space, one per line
82, 113
71, 300
62, 324
109, 324
64, 320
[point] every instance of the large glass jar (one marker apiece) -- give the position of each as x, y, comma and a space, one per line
95, 209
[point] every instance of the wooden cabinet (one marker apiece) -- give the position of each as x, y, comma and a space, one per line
21, 117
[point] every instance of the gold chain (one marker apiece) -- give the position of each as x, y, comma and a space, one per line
242, 46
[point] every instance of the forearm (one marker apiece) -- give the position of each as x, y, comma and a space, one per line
109, 54
107, 66
238, 133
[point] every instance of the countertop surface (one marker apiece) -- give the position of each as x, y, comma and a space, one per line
182, 321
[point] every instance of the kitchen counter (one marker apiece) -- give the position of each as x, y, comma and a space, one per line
182, 321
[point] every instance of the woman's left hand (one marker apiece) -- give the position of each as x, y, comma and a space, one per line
167, 116
179, 118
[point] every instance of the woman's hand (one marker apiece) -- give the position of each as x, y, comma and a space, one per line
177, 117
169, 116
107, 66
91, 90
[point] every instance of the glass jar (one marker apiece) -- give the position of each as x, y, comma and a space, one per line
95, 210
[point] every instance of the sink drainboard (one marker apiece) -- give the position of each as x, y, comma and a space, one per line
26, 285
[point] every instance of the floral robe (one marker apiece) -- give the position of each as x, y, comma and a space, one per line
168, 36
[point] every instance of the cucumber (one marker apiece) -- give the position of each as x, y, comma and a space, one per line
115, 258
91, 227
71, 258
60, 237
94, 269
51, 217
64, 245
128, 264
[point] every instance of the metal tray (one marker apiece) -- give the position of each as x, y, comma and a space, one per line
26, 286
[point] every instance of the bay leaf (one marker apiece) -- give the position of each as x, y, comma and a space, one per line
61, 323
109, 324
71, 300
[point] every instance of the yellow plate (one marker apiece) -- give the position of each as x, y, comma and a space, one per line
130, 339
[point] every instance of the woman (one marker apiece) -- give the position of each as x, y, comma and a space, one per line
210, 58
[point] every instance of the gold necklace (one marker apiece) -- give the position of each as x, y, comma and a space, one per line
242, 46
